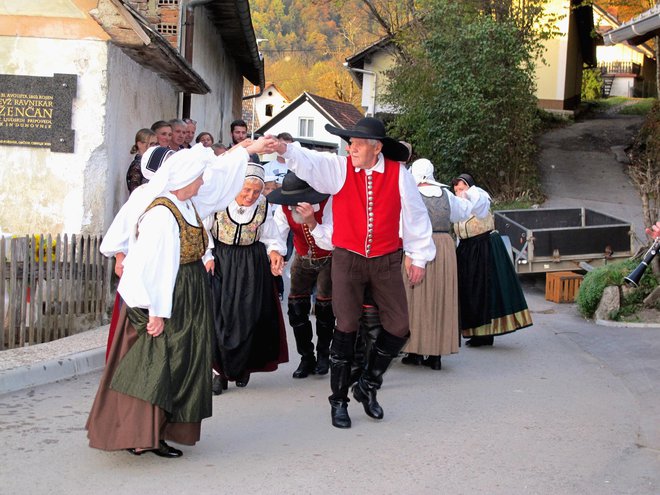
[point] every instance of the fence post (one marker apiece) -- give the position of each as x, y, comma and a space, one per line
3, 294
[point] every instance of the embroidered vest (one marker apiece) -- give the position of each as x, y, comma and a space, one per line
367, 210
228, 231
303, 240
193, 240
474, 226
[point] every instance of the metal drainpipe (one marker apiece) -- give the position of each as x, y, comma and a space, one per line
373, 93
188, 47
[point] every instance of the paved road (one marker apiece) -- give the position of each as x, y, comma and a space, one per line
579, 169
564, 407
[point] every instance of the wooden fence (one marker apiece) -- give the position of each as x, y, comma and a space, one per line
51, 288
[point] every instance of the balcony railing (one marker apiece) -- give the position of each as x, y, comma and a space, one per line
620, 68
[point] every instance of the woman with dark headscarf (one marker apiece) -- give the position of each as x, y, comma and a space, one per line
491, 299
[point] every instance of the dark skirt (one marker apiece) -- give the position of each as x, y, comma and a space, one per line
157, 388
249, 328
490, 297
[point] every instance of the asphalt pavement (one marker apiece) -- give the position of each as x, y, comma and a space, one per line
563, 407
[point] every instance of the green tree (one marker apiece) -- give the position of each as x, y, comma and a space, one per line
464, 93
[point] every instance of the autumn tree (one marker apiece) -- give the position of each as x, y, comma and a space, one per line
464, 91
308, 43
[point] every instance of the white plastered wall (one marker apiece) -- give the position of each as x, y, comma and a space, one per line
46, 192
42, 191
214, 111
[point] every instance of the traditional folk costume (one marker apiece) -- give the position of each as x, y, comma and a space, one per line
310, 267
158, 388
433, 304
491, 299
368, 207
249, 328
223, 179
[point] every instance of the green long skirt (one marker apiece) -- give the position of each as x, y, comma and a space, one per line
157, 388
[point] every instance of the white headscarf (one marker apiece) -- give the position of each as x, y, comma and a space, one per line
422, 172
179, 170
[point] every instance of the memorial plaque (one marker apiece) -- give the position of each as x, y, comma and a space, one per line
36, 111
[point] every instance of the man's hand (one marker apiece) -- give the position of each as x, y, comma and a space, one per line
119, 264
415, 274
306, 211
276, 263
155, 326
654, 230
210, 266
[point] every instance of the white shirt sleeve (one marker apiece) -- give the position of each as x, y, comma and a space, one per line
151, 266
475, 203
322, 233
325, 172
116, 239
270, 235
223, 180
208, 255
416, 228
279, 232
481, 200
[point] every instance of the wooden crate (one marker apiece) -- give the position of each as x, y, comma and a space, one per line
562, 287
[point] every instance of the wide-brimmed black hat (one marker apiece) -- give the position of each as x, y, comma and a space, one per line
370, 128
294, 190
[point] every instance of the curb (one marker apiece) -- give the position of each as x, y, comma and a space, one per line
626, 324
61, 359
50, 371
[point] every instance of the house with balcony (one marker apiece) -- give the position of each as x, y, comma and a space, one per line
558, 79
627, 69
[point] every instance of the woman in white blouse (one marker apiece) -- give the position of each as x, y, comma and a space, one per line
249, 328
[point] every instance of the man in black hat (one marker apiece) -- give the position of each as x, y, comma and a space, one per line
378, 213
308, 214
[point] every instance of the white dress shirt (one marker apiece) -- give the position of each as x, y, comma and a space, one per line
322, 233
326, 172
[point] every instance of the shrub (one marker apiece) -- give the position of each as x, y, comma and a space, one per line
463, 92
592, 84
596, 281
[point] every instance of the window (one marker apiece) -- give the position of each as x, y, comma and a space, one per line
305, 127
269, 110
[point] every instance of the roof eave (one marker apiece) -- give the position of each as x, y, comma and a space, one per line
226, 15
134, 35
637, 30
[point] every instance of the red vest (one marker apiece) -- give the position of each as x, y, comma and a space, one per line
367, 210
303, 241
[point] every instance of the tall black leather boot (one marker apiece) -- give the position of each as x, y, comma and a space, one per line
386, 348
341, 356
325, 324
370, 328
359, 356
302, 331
